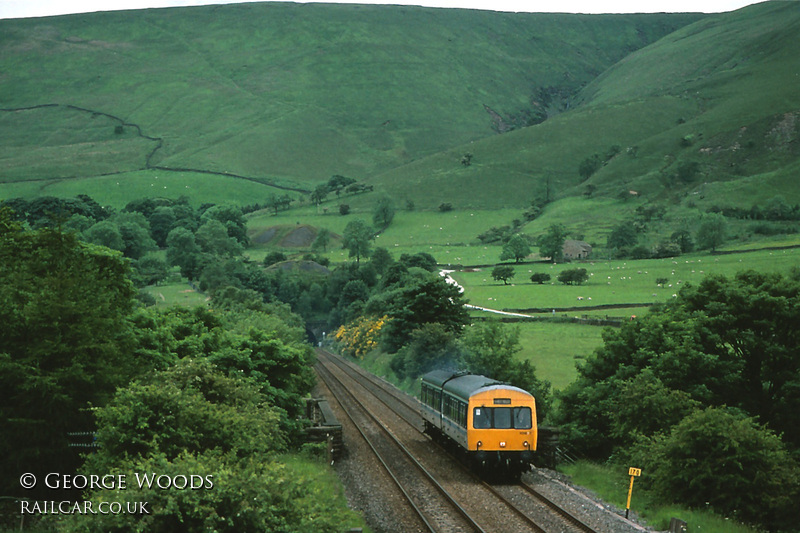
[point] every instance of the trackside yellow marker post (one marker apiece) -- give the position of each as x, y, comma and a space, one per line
633, 472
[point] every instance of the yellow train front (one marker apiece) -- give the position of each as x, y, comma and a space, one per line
490, 423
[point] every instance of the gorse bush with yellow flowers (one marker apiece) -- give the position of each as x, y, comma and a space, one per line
360, 336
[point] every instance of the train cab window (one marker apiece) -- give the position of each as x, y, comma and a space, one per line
522, 418
502, 418
482, 418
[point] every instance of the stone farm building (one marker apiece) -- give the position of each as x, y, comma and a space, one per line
575, 250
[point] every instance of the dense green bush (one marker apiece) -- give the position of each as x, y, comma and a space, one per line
718, 458
238, 494
191, 407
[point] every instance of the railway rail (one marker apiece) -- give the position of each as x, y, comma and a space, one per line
434, 506
526, 508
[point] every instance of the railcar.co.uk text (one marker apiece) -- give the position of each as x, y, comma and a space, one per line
116, 482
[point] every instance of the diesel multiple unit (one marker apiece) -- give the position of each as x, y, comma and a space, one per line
492, 423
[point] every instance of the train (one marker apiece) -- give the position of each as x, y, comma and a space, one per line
490, 424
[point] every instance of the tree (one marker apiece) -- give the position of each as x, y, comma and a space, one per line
416, 301
162, 221
352, 298
337, 183
322, 240
622, 236
645, 407
232, 218
589, 166
723, 342
383, 214
319, 194
503, 273
356, 239
540, 277
274, 257
683, 239
213, 238
183, 252
573, 276
687, 171
381, 259
105, 233
517, 248
135, 231
776, 208
491, 350
667, 249
64, 343
150, 269
551, 244
419, 260
711, 232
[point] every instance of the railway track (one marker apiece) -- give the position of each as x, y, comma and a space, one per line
526, 509
434, 506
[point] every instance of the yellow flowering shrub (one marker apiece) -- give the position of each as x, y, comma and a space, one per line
360, 336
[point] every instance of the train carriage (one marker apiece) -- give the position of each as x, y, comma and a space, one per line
492, 423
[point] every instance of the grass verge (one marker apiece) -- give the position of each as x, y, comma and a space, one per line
611, 483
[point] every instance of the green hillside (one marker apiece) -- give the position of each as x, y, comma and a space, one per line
706, 116
220, 103
288, 93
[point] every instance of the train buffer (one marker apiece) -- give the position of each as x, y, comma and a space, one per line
325, 426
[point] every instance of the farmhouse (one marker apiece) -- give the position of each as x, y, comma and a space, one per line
576, 250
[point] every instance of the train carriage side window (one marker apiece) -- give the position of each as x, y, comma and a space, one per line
522, 418
502, 418
482, 418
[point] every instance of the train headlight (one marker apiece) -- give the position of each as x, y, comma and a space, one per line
502, 444
526, 445
480, 443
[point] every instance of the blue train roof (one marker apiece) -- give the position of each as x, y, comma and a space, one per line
463, 384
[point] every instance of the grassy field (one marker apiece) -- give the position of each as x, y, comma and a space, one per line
119, 189
614, 282
543, 343
176, 294
450, 237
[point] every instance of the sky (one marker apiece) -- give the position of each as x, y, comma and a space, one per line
42, 8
